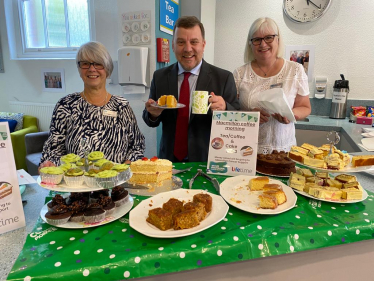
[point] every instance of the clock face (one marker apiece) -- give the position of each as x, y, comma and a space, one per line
305, 10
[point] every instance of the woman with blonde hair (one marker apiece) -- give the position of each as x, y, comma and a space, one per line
264, 69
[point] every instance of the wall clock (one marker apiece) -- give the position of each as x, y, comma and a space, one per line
301, 11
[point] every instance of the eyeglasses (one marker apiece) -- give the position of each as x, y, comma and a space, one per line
87, 65
268, 39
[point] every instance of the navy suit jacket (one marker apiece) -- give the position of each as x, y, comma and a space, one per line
165, 82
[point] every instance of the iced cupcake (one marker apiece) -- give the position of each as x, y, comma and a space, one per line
67, 166
100, 162
80, 164
94, 213
51, 175
77, 196
59, 214
107, 178
107, 204
57, 200
69, 158
74, 177
119, 195
123, 171
77, 209
95, 155
106, 166
89, 177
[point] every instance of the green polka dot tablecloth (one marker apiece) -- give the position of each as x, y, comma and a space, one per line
115, 251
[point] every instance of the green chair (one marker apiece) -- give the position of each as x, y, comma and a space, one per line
30, 125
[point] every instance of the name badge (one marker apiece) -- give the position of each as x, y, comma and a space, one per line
110, 113
278, 85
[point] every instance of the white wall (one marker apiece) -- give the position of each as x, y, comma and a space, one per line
343, 39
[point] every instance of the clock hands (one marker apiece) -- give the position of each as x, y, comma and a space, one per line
308, 1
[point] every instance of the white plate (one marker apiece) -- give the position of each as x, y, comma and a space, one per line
368, 142
179, 105
139, 214
151, 189
272, 175
236, 192
63, 187
364, 196
118, 212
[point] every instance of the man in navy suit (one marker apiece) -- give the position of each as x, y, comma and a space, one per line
188, 45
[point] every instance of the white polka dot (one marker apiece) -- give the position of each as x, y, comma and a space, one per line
346, 211
86, 272
333, 208
223, 227
292, 248
27, 278
319, 216
52, 242
259, 227
235, 238
137, 260
274, 233
124, 230
182, 255
310, 227
72, 238
335, 225
298, 217
193, 246
329, 233
39, 228
133, 197
219, 253
85, 231
204, 181
365, 214
161, 248
112, 256
59, 248
260, 246
230, 214
77, 252
225, 219
126, 274
370, 199
357, 231
342, 205
57, 264
296, 236
242, 227
367, 220
100, 250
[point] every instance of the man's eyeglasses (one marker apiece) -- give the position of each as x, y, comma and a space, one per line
87, 65
268, 39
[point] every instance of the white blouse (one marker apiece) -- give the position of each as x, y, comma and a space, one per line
273, 135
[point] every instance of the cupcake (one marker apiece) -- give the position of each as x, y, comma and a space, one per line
67, 166
58, 199
89, 178
107, 204
119, 195
95, 155
74, 177
95, 195
59, 214
106, 166
107, 178
94, 213
100, 162
80, 164
69, 158
77, 209
77, 196
123, 171
51, 175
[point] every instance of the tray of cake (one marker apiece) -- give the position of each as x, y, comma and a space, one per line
152, 176
322, 186
71, 175
259, 195
337, 161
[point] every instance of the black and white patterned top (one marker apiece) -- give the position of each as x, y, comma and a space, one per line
118, 137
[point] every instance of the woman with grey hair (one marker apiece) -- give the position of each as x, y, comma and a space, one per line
107, 122
264, 69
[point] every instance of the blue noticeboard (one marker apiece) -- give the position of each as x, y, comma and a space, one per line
168, 15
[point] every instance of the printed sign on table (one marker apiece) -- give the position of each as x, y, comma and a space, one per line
233, 143
11, 209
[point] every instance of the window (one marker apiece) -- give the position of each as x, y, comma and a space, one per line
48, 28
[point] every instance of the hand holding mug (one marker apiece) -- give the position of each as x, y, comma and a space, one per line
217, 102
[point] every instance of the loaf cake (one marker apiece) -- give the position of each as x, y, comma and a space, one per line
362, 160
160, 218
258, 183
206, 199
174, 206
267, 201
197, 207
167, 100
276, 163
278, 194
152, 170
186, 219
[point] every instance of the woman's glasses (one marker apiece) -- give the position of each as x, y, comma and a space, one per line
87, 65
268, 39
